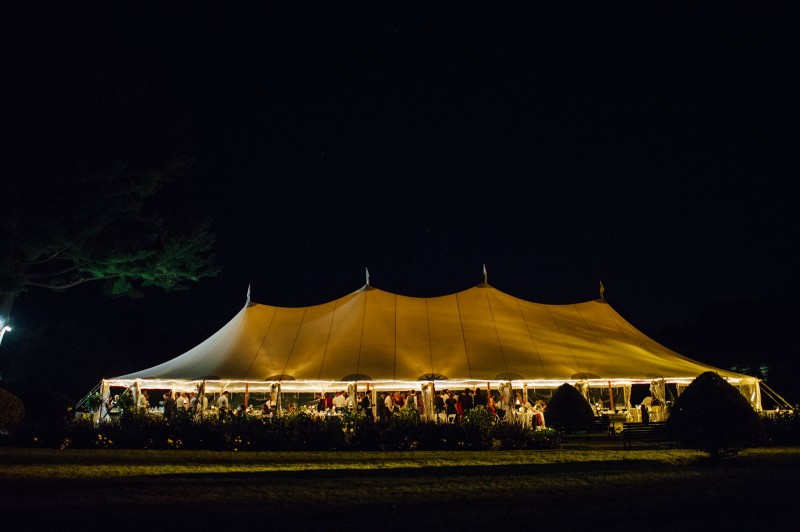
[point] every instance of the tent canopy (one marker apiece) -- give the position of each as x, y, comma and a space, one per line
478, 335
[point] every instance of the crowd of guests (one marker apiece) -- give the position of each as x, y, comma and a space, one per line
448, 405
190, 403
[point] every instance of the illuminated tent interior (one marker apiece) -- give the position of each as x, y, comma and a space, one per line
378, 340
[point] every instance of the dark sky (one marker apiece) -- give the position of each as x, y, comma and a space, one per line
652, 146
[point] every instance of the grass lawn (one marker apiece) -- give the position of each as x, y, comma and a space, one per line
546, 490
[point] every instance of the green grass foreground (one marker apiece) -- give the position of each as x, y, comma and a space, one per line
550, 490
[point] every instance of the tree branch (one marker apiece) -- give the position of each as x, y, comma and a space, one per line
53, 286
43, 261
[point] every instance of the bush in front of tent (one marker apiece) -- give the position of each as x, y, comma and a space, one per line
302, 431
514, 436
441, 437
12, 410
713, 416
81, 434
568, 410
206, 433
402, 431
140, 429
479, 424
783, 428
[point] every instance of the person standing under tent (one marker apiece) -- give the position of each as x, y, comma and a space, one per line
450, 407
500, 407
180, 401
223, 403
438, 403
169, 407
339, 402
366, 404
321, 403
399, 400
381, 407
389, 404
466, 400
410, 401
143, 400
478, 399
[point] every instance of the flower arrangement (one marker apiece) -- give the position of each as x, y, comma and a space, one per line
351, 419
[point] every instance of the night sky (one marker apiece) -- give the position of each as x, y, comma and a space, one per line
650, 146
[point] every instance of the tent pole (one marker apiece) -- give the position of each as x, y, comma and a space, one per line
105, 391
611, 397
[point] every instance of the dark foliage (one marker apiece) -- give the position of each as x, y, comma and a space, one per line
509, 436
141, 430
12, 410
568, 410
783, 428
712, 416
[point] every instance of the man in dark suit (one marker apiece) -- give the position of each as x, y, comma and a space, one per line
169, 407
466, 400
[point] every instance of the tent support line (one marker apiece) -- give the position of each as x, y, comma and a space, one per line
774, 395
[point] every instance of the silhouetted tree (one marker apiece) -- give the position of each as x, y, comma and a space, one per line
61, 231
713, 416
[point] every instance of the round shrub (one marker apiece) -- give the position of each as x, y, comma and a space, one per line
478, 425
12, 411
712, 416
568, 410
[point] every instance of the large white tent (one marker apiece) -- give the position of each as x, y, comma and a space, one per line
385, 341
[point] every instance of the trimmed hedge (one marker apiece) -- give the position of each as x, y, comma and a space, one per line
568, 410
295, 431
713, 416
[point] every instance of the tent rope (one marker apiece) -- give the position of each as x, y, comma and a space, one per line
82, 402
775, 397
